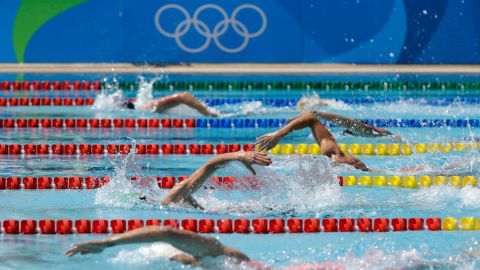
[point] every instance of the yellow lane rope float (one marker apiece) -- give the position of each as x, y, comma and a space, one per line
393, 149
408, 181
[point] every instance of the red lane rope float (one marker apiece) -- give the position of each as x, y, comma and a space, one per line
45, 101
242, 226
51, 85
46, 182
93, 182
102, 149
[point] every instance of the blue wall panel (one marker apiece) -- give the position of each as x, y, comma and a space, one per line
312, 31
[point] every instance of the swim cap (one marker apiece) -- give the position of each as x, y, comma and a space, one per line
128, 105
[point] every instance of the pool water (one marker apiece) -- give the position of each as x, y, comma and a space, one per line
300, 186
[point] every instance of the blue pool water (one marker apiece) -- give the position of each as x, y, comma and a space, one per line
294, 186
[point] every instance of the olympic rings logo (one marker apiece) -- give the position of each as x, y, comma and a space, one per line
211, 34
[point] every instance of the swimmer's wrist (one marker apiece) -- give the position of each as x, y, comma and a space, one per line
107, 242
227, 157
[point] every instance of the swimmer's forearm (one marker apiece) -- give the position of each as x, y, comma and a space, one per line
188, 242
197, 179
299, 122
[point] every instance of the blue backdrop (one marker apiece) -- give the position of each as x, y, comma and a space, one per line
176, 31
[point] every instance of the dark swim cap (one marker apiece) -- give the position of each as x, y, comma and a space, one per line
128, 105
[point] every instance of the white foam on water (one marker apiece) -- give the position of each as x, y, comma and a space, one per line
445, 196
377, 258
405, 108
160, 254
303, 183
146, 254
252, 108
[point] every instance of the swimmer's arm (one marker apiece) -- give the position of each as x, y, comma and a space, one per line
181, 98
268, 141
357, 126
192, 244
184, 190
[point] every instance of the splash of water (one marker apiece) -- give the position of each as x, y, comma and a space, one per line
112, 96
296, 184
121, 191
146, 255
108, 101
160, 254
145, 91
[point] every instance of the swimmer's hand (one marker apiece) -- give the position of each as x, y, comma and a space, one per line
248, 158
213, 114
267, 141
86, 248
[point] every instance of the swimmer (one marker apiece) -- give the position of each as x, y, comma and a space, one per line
190, 247
164, 103
308, 103
324, 138
183, 191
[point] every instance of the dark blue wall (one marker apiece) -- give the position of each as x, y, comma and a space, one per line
340, 31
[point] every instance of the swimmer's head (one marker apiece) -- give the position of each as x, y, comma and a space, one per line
128, 105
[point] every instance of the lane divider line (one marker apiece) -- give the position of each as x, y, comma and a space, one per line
244, 85
230, 182
242, 226
94, 123
394, 149
276, 102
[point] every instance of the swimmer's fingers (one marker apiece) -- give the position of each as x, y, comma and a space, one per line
265, 144
263, 147
262, 159
263, 139
72, 250
85, 248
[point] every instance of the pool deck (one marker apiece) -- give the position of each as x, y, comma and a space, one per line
235, 69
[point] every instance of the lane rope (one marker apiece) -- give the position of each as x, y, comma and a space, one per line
276, 102
232, 182
214, 123
242, 226
244, 85
408, 181
394, 149
94, 182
